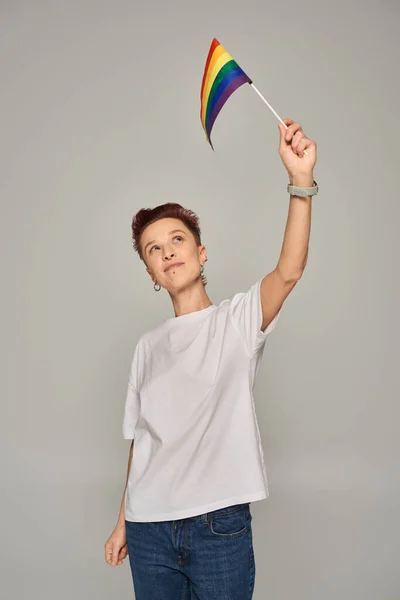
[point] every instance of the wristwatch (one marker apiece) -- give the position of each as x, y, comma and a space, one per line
303, 191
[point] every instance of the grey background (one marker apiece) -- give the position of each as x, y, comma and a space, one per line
100, 117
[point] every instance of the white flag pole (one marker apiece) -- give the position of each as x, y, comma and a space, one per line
270, 107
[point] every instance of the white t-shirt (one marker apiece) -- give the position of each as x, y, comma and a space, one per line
190, 409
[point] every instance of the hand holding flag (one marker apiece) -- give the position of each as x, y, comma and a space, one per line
292, 150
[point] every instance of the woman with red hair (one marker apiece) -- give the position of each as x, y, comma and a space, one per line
185, 516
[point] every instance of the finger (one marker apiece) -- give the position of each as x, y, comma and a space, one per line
291, 130
108, 554
282, 129
310, 146
302, 145
288, 122
299, 135
282, 132
114, 559
123, 553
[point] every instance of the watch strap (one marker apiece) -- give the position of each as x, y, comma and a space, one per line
303, 191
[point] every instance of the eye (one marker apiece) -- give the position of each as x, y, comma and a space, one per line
153, 247
178, 237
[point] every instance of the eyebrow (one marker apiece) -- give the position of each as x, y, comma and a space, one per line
170, 233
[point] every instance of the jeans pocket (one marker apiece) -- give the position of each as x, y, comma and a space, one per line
231, 524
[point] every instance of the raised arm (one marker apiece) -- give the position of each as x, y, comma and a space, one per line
277, 285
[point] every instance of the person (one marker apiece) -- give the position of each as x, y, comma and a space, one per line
198, 463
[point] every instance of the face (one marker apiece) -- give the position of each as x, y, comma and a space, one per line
171, 254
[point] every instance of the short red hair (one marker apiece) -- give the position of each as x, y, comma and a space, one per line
170, 210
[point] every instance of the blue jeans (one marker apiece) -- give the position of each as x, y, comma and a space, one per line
206, 557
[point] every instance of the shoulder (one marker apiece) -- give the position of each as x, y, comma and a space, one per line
239, 298
152, 336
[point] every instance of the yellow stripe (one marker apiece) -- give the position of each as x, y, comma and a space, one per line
219, 59
216, 64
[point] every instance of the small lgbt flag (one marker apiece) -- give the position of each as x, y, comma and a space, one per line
222, 76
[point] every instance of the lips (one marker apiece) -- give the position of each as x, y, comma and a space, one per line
173, 265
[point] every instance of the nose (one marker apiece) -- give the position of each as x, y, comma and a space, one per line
169, 254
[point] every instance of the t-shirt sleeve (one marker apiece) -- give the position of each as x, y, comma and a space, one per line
132, 402
246, 312
131, 414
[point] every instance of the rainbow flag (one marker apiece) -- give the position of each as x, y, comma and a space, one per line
222, 76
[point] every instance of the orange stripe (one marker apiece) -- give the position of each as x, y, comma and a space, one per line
219, 59
214, 44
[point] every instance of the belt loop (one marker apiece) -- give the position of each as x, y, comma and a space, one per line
204, 518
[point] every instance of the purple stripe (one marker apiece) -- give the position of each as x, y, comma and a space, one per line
228, 92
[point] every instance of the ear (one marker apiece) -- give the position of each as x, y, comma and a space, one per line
202, 254
151, 276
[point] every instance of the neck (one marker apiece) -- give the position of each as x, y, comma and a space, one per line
190, 299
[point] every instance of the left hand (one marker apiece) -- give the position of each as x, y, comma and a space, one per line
293, 142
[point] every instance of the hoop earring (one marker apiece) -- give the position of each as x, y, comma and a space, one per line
155, 287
